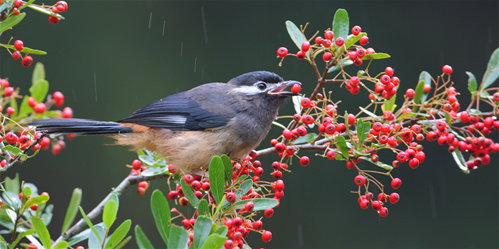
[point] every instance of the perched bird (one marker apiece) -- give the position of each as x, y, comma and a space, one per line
189, 128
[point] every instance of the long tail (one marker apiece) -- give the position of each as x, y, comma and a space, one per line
79, 126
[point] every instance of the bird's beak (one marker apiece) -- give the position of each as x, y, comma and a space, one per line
279, 90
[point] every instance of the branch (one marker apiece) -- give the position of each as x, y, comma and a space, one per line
318, 145
97, 211
11, 160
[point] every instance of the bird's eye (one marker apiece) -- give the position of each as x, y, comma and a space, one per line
261, 86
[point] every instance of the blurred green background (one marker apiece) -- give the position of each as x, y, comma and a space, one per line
111, 57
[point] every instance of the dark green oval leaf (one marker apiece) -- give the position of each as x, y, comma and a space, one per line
342, 143
202, 229
458, 157
203, 208
189, 194
161, 212
492, 72
41, 231
154, 171
11, 22
228, 168
142, 241
472, 85
214, 241
217, 178
119, 234
260, 203
72, 210
45, 11
178, 238
341, 24
109, 213
37, 200
376, 56
296, 35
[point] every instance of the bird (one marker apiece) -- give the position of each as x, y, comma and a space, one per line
189, 128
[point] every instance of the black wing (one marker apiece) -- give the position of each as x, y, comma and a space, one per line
176, 112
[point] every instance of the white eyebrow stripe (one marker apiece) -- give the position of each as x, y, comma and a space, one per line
248, 90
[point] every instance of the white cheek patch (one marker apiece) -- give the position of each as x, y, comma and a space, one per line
248, 90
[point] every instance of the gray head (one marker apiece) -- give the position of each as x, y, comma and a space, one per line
263, 85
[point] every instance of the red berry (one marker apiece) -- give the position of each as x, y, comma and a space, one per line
61, 6
305, 102
356, 30
361, 52
39, 108
249, 206
10, 110
305, 46
188, 179
319, 40
340, 41
31, 102
196, 185
410, 93
27, 60
385, 79
229, 244
277, 174
329, 35
231, 197
172, 195
18, 3
53, 19
266, 236
136, 164
496, 96
296, 88
363, 41
396, 183
389, 71
268, 212
441, 125
300, 55
376, 205
282, 52
19, 45
331, 155
351, 119
307, 119
447, 69
16, 55
327, 56
143, 184
360, 180
34, 207
383, 212
326, 43
414, 163
67, 112
426, 88
394, 198
142, 191
32, 246
304, 161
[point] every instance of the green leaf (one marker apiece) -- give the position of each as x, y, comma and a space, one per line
352, 39
189, 194
378, 163
376, 56
342, 143
27, 50
13, 150
472, 85
161, 212
79, 237
11, 22
243, 188
109, 214
19, 237
13, 185
42, 231
25, 4
45, 11
115, 198
458, 157
27, 191
38, 73
178, 238
61, 245
154, 171
343, 63
279, 125
492, 72
37, 200
222, 230
119, 234
214, 241
420, 96
147, 159
3, 245
89, 223
296, 35
47, 214
306, 139
260, 203
228, 168
217, 178
25, 108
123, 243
39, 90
203, 208
142, 240
389, 104
341, 24
94, 240
362, 130
368, 112
72, 210
13, 104
202, 229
